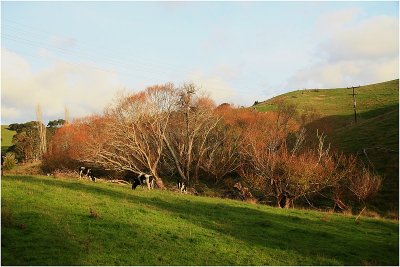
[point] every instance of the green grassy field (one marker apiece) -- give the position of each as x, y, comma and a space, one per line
46, 221
377, 109
376, 130
340, 101
6, 138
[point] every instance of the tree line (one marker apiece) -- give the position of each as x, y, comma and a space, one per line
27, 140
170, 131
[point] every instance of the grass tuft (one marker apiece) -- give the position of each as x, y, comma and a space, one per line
93, 214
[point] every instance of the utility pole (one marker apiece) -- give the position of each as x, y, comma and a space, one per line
354, 103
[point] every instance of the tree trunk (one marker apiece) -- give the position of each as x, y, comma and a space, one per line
160, 183
174, 157
284, 201
287, 202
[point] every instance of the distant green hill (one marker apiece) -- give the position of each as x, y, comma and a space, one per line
375, 136
6, 138
56, 221
372, 100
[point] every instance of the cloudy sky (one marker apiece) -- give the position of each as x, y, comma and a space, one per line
79, 54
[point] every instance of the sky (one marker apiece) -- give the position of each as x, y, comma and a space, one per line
80, 55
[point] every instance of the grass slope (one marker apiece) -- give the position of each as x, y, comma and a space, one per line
377, 128
340, 101
45, 221
6, 138
375, 103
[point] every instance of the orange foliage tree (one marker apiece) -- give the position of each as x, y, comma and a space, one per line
66, 147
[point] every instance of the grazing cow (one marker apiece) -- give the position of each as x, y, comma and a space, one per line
141, 179
85, 171
182, 186
91, 174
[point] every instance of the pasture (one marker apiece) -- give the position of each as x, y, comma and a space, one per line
6, 138
56, 221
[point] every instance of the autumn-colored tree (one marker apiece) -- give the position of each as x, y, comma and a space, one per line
279, 171
65, 150
222, 154
130, 136
356, 182
189, 130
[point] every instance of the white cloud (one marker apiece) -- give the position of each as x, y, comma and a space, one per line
83, 88
371, 39
219, 90
10, 113
336, 20
345, 73
355, 52
14, 65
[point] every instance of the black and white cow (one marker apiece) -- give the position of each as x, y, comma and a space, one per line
85, 171
141, 180
182, 186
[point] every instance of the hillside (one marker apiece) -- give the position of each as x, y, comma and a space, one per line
6, 138
47, 221
375, 103
375, 136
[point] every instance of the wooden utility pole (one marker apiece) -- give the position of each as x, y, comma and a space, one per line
354, 103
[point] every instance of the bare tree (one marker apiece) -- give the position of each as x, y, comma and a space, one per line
364, 184
67, 118
42, 131
133, 132
190, 128
222, 156
284, 174
353, 182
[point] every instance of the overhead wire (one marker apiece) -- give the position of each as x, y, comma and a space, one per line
150, 69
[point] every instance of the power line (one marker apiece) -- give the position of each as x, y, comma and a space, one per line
154, 68
122, 69
83, 66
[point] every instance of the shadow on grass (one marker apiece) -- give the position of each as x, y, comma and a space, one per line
20, 242
283, 230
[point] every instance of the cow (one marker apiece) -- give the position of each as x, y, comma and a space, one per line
85, 171
142, 179
182, 186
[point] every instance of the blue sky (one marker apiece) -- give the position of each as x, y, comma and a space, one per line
80, 54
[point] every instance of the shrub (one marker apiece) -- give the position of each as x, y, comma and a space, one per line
9, 161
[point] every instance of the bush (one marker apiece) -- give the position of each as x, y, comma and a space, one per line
9, 161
